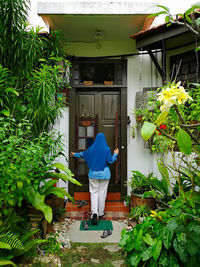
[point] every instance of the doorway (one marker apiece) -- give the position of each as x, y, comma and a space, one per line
98, 108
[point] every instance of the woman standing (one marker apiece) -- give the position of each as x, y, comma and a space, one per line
97, 157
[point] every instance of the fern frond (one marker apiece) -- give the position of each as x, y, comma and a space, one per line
12, 240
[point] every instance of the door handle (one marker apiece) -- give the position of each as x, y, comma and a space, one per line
122, 147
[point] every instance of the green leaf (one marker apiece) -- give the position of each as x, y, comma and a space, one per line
47, 186
156, 249
167, 237
62, 167
147, 130
125, 237
148, 239
173, 114
197, 49
180, 249
173, 261
192, 247
153, 263
196, 5
63, 176
164, 260
138, 240
163, 171
184, 142
37, 201
161, 118
135, 259
148, 194
19, 184
172, 225
197, 21
4, 245
164, 7
5, 262
130, 246
157, 14
6, 112
59, 192
147, 254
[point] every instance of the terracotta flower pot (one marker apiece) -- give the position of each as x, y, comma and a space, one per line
139, 118
137, 200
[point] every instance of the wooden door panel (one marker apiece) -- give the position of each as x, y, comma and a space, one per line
105, 104
86, 105
110, 105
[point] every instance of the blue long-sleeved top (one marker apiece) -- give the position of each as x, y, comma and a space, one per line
105, 174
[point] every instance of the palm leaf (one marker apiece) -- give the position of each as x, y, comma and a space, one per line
5, 262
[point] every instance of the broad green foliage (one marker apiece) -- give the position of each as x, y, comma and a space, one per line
184, 142
147, 130
169, 238
25, 163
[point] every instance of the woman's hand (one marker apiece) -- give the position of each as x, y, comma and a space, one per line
72, 154
116, 151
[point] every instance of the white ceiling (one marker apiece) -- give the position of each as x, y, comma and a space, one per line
79, 28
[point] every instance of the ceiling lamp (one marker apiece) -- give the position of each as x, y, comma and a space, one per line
99, 37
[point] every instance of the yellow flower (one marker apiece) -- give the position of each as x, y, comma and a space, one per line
172, 95
153, 212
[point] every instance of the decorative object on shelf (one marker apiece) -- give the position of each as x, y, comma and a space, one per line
88, 82
108, 82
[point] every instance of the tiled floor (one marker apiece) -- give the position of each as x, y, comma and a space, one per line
114, 209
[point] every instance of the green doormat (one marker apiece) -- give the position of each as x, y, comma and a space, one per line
101, 226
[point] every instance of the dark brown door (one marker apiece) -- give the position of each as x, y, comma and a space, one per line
103, 105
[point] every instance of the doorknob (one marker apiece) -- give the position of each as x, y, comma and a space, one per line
122, 147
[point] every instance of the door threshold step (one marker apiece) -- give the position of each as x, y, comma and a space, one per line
110, 206
86, 196
109, 216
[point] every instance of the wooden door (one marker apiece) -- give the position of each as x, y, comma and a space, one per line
101, 104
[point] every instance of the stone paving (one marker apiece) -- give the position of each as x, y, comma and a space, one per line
68, 231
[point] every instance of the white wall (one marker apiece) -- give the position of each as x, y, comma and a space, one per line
62, 126
141, 73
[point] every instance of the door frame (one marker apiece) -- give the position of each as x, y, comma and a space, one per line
72, 111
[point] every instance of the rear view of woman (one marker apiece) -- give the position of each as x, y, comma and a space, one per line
97, 157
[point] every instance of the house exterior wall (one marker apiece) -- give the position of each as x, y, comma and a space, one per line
141, 73
140, 70
62, 126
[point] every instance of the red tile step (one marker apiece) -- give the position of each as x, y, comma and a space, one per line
114, 208
110, 206
111, 196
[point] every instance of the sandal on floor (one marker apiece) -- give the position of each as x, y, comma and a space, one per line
100, 217
106, 233
82, 204
78, 202
86, 225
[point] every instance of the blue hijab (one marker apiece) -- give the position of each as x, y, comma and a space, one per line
98, 155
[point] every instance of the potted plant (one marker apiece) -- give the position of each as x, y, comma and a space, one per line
139, 114
140, 184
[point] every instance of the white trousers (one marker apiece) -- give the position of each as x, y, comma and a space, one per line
98, 192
